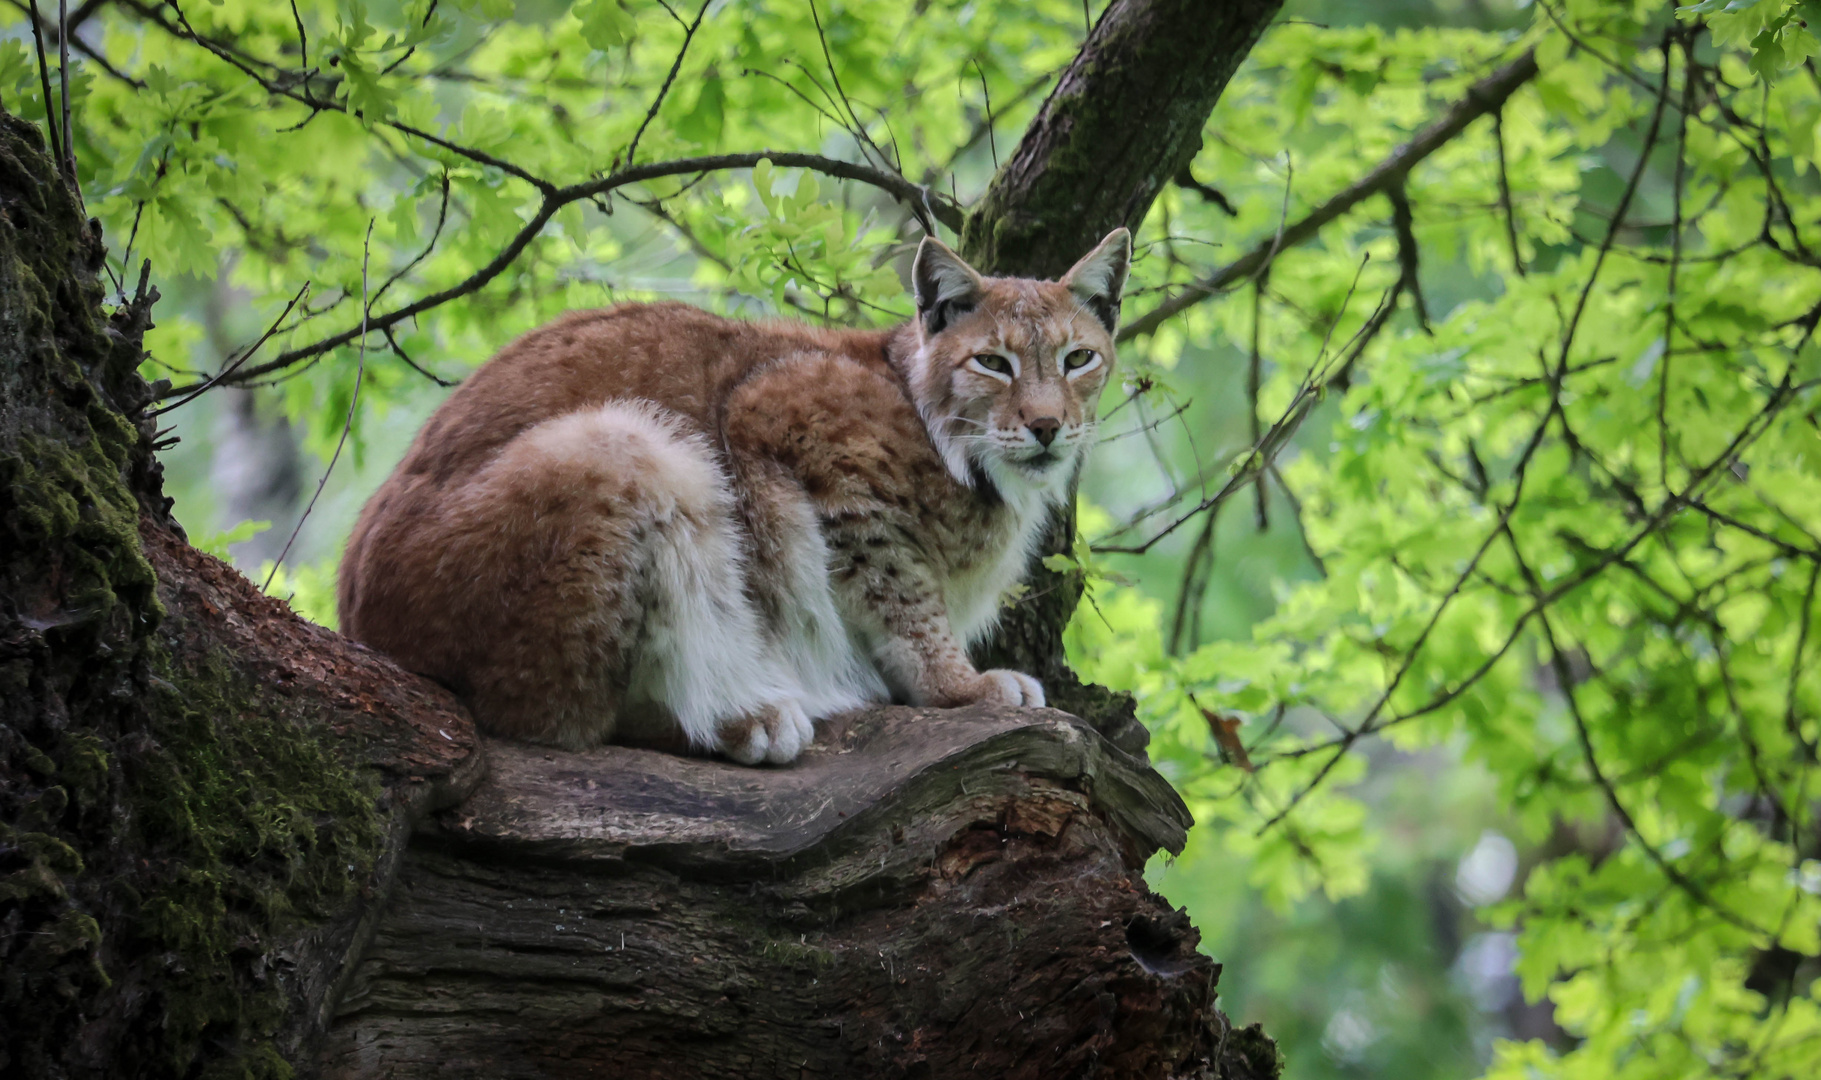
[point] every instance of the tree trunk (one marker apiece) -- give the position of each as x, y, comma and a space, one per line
233, 843
1123, 120
203, 799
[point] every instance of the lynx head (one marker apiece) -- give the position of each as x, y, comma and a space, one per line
1008, 371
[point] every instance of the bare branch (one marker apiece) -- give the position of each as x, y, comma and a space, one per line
360, 374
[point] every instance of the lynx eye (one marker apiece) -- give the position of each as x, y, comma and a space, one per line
1079, 360
993, 362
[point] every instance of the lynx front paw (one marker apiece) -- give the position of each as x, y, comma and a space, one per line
777, 733
1001, 687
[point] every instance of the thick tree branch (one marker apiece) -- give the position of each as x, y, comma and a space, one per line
1125, 117
1486, 96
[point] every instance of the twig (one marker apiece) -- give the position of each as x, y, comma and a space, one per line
1618, 217
360, 373
273, 87
1366, 726
1505, 204
63, 87
1564, 675
1780, 398
1265, 450
442, 215
1198, 568
947, 212
1403, 224
1675, 261
44, 81
1296, 514
190, 394
399, 351
1254, 376
689, 33
982, 129
835, 77
991, 139
303, 48
1185, 178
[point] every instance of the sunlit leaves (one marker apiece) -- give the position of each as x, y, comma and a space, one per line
1573, 531
605, 23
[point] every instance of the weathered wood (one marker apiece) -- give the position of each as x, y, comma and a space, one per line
926, 893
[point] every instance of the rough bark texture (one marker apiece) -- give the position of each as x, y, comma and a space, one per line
1124, 118
202, 797
928, 893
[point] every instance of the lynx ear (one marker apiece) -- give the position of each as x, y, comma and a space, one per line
946, 288
1099, 278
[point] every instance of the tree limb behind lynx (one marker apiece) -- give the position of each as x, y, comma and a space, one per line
1123, 120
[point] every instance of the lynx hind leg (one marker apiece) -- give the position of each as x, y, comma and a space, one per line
703, 653
541, 561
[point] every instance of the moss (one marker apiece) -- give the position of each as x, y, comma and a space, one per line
159, 810
69, 501
1256, 1052
48, 860
265, 831
85, 764
799, 954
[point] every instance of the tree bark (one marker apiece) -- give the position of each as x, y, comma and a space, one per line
1125, 117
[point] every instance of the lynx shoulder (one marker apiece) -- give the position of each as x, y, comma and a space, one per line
651, 524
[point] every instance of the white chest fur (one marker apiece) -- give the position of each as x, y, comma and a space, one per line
974, 595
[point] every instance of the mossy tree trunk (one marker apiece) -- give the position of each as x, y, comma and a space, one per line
202, 797
235, 844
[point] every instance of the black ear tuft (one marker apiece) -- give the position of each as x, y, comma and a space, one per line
946, 287
1098, 280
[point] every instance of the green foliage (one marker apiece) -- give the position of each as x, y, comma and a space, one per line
1570, 530
1541, 469
218, 543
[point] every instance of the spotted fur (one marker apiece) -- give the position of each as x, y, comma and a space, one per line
651, 524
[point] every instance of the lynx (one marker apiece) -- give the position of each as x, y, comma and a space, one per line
654, 525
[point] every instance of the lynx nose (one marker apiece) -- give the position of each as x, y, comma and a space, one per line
1045, 427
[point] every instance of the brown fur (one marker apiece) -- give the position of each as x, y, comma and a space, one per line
624, 486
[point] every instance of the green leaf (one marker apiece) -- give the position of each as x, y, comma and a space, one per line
703, 122
605, 24
217, 543
1767, 54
